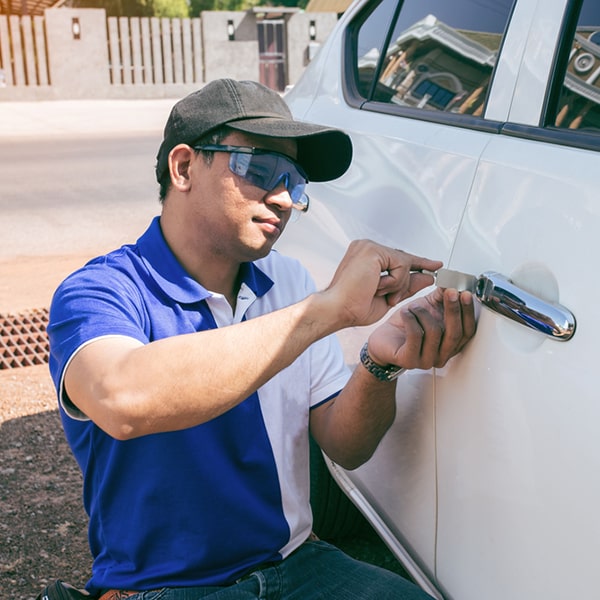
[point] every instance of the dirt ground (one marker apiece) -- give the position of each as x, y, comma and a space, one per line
43, 525
42, 521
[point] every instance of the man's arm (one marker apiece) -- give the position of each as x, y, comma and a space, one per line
424, 334
129, 389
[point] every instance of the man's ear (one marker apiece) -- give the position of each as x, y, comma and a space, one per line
180, 159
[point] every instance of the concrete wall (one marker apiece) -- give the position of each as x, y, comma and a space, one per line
300, 47
79, 53
77, 67
237, 58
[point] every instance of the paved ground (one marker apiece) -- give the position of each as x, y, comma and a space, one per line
96, 117
27, 282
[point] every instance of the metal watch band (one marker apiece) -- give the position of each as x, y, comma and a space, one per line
387, 373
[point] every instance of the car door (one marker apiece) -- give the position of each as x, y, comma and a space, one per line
409, 82
516, 416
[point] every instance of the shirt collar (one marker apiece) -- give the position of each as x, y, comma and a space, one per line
175, 281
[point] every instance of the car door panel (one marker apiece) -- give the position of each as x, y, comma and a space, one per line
517, 446
413, 178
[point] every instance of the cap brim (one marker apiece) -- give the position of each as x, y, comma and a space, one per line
324, 153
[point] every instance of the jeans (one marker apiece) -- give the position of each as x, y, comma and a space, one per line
317, 570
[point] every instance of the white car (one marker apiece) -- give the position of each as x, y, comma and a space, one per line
476, 132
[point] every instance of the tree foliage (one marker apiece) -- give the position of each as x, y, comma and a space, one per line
174, 8
171, 8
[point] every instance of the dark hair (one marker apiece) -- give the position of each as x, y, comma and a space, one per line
214, 137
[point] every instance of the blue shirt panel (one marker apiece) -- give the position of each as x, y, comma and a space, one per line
169, 509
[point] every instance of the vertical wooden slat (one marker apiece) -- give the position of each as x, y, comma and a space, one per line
177, 51
146, 49
15, 31
157, 50
136, 48
125, 48
115, 56
188, 54
40, 49
167, 52
5, 51
29, 53
197, 50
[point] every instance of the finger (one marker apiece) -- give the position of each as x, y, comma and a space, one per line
408, 354
399, 258
401, 264
403, 286
453, 334
468, 316
433, 332
459, 316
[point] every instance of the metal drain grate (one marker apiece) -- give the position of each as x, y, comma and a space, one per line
23, 340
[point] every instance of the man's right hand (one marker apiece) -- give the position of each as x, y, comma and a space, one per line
372, 278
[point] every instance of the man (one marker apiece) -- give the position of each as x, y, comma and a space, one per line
191, 366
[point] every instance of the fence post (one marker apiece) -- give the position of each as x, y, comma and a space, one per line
305, 34
77, 52
235, 57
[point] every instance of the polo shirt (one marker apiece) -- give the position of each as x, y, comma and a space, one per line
200, 506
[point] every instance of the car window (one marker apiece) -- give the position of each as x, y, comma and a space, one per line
435, 55
578, 106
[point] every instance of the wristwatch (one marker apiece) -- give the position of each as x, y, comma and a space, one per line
387, 373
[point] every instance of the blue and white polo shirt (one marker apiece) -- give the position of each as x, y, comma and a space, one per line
204, 505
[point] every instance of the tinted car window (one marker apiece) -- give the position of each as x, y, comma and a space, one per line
438, 56
578, 107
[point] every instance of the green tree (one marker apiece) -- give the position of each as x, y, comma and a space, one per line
170, 8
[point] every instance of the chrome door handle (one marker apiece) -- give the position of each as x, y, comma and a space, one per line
500, 294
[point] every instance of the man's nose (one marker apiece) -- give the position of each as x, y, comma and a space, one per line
280, 197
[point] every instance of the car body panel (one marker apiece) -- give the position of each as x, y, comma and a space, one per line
484, 485
517, 445
537, 62
507, 69
413, 199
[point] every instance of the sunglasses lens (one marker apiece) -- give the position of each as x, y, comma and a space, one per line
267, 171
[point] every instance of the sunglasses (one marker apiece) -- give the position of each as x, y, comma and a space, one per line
266, 170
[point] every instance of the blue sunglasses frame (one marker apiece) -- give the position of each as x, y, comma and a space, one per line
266, 174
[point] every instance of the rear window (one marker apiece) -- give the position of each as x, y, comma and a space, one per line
433, 55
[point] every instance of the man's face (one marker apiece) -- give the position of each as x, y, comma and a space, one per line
237, 220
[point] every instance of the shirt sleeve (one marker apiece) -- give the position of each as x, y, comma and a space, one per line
326, 365
94, 302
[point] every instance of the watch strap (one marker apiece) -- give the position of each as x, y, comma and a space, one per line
383, 373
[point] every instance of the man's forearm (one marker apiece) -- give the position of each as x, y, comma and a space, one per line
186, 380
350, 428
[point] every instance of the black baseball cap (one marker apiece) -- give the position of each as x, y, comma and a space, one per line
324, 153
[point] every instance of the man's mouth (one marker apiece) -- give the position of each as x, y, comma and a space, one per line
270, 223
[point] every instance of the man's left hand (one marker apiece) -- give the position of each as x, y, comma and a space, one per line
426, 333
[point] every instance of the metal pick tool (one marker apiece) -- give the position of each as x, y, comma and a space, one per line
447, 278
